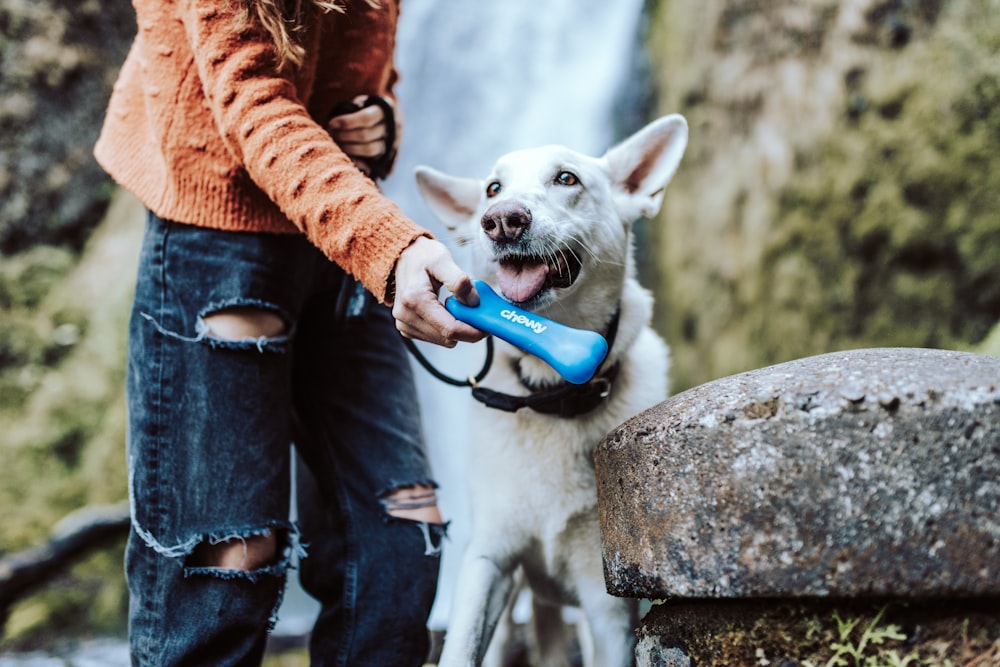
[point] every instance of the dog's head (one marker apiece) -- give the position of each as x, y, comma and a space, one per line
548, 221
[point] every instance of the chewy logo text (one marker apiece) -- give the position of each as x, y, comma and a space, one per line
516, 318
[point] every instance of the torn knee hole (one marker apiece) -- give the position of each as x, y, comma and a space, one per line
242, 322
250, 553
416, 503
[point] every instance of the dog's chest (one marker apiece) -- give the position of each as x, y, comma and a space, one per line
526, 445
532, 470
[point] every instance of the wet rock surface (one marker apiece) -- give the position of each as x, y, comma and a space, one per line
863, 473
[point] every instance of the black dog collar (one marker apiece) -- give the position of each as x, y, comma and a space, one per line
564, 399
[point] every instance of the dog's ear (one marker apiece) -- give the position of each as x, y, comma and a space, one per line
643, 164
452, 199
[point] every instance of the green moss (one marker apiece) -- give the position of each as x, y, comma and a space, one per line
294, 658
827, 633
19, 346
991, 344
63, 409
903, 244
829, 199
26, 278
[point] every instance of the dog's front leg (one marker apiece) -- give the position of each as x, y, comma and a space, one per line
611, 622
481, 593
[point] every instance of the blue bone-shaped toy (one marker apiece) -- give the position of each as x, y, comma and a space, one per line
573, 353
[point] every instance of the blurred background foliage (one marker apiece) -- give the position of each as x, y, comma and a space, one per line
841, 189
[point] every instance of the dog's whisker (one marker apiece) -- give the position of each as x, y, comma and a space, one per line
597, 260
578, 243
585, 248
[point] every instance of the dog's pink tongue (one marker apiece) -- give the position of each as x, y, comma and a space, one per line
523, 281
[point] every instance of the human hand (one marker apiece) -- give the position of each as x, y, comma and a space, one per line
368, 133
423, 268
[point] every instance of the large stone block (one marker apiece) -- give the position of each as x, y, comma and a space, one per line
854, 474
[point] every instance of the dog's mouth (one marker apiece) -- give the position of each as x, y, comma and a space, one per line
523, 278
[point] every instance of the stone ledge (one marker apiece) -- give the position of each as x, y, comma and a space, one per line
852, 474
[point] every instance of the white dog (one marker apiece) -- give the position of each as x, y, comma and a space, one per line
551, 231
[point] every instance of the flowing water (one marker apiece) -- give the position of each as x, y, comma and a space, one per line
478, 79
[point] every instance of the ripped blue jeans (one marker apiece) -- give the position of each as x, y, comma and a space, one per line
211, 422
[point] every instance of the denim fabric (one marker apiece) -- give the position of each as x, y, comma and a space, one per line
210, 428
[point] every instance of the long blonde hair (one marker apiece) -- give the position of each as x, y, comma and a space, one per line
288, 20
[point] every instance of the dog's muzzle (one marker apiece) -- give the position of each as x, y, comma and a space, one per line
525, 273
506, 221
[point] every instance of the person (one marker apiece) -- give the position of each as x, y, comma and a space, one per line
248, 333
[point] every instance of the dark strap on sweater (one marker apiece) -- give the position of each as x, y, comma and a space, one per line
379, 165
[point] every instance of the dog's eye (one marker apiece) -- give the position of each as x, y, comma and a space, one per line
493, 189
567, 178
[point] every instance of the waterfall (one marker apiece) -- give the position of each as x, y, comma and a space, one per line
479, 79
499, 75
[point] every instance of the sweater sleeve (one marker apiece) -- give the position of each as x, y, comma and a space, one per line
287, 154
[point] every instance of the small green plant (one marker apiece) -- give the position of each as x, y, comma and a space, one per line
866, 650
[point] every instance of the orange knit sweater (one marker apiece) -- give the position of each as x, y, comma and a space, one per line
204, 131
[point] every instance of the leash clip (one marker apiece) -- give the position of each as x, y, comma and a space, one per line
604, 385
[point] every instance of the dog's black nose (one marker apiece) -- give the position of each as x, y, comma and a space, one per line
506, 221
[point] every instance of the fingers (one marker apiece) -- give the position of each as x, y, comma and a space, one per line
451, 276
365, 117
420, 272
462, 288
361, 133
420, 315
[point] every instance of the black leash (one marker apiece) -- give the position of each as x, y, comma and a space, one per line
468, 382
564, 399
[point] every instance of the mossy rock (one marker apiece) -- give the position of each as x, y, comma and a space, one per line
841, 183
991, 344
804, 633
60, 58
